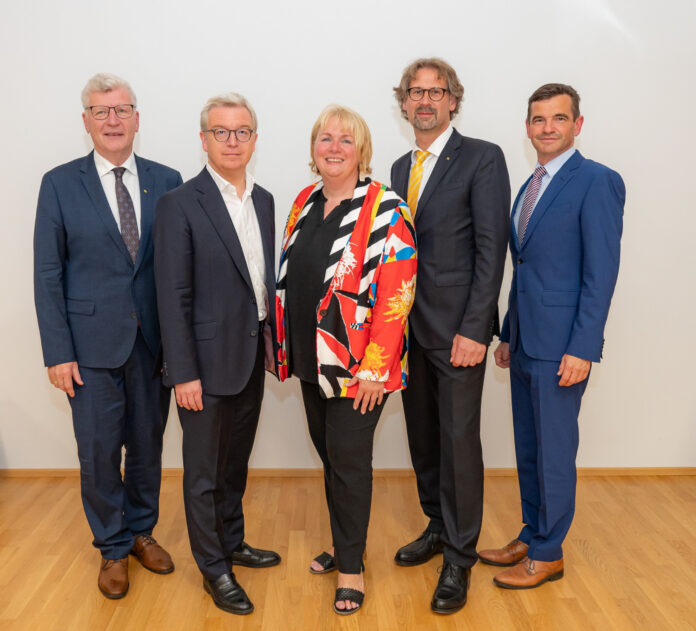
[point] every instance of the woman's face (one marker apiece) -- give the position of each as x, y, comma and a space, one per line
335, 153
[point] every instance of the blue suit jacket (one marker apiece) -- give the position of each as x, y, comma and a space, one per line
566, 268
89, 294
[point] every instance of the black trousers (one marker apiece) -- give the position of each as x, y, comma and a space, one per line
217, 443
343, 438
116, 408
442, 406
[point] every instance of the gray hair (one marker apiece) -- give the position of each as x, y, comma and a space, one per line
230, 99
105, 82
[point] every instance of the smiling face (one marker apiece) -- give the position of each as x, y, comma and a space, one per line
231, 157
551, 127
425, 115
335, 153
113, 136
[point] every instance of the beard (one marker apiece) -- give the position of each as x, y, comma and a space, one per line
422, 124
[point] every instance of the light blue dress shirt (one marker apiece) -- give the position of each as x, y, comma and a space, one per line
552, 167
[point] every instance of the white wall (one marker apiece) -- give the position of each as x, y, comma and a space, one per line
632, 62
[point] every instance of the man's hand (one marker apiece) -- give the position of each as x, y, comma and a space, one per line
189, 395
573, 370
369, 393
62, 376
502, 355
466, 352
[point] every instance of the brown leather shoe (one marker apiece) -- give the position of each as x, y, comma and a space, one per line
113, 578
511, 554
529, 573
152, 555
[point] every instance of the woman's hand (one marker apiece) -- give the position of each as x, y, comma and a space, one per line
369, 393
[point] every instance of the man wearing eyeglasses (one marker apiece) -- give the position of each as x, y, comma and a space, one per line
459, 194
96, 306
214, 266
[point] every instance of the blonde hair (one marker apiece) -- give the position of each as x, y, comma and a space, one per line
354, 124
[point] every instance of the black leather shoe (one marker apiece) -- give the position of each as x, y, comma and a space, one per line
421, 550
450, 593
253, 557
228, 594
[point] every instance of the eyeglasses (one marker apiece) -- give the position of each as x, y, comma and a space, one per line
434, 94
101, 112
221, 134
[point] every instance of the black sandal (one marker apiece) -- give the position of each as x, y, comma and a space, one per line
327, 562
348, 593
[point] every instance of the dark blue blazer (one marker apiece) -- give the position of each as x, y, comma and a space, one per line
89, 294
565, 271
207, 306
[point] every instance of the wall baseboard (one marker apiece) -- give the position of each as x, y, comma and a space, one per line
583, 472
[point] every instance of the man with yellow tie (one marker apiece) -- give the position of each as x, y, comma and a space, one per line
459, 194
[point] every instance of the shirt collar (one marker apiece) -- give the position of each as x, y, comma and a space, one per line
437, 146
104, 166
554, 166
228, 189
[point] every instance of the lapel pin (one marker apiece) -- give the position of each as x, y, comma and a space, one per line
145, 190
447, 158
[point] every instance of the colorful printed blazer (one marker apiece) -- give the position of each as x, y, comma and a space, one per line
368, 292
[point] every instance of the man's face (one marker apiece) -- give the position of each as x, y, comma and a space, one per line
551, 127
427, 115
231, 157
113, 136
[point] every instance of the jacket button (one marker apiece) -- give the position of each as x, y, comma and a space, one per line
520, 260
322, 312
253, 333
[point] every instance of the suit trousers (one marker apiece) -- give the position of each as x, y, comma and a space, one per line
343, 438
117, 408
545, 419
442, 407
216, 445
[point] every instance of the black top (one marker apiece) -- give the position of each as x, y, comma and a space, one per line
304, 282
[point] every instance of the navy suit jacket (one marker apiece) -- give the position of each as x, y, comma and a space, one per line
565, 271
89, 294
462, 229
207, 307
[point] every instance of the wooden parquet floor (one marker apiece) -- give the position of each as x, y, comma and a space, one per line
630, 562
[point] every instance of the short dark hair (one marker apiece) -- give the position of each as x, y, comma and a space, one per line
444, 71
550, 90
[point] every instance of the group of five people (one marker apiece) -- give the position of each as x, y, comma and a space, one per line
378, 290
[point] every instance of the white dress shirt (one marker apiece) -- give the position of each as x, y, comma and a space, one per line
108, 181
435, 149
243, 215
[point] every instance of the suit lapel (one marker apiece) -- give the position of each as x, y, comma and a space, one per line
147, 195
95, 190
214, 206
513, 229
557, 184
266, 229
448, 156
401, 173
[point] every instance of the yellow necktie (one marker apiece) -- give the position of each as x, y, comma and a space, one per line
414, 181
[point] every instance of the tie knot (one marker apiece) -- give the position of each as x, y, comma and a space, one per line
421, 156
539, 172
118, 172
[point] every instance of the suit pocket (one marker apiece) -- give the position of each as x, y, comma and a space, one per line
560, 298
457, 277
205, 330
82, 307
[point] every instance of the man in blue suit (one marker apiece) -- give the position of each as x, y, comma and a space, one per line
96, 306
565, 243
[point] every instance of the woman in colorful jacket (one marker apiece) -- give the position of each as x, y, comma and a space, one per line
345, 288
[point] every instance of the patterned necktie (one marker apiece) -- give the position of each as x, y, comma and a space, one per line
414, 180
129, 226
530, 197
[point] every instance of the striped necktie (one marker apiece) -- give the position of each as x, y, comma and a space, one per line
126, 212
530, 197
414, 180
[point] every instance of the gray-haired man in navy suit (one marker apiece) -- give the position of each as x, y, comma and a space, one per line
95, 302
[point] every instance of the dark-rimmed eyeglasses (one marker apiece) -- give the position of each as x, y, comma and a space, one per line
243, 134
434, 94
101, 112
